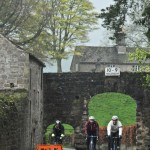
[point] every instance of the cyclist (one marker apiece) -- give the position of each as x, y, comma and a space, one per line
58, 132
91, 127
114, 129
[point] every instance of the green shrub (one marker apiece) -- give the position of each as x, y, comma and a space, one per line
104, 106
68, 131
8, 100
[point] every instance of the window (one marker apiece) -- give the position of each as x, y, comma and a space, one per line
77, 67
135, 68
111, 66
30, 77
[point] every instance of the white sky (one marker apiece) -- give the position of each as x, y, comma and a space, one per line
96, 37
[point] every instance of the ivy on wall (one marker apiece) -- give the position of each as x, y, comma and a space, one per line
8, 99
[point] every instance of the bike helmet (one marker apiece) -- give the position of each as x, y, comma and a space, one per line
57, 121
91, 118
114, 117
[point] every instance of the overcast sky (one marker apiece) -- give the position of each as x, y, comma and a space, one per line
96, 37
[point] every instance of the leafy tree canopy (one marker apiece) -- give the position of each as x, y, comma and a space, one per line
47, 28
138, 12
142, 56
69, 22
21, 21
115, 16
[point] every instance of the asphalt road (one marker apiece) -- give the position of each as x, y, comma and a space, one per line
68, 148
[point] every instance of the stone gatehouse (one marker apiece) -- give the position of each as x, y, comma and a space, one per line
65, 94
64, 98
21, 117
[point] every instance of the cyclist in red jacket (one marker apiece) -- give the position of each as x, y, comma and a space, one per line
91, 128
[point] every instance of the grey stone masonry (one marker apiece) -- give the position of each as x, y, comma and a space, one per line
14, 64
20, 70
64, 93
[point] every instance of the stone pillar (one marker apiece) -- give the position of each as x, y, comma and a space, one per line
80, 142
143, 123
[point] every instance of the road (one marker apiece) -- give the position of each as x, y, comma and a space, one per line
64, 148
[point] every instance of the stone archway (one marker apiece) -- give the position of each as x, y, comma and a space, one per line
68, 139
103, 106
64, 96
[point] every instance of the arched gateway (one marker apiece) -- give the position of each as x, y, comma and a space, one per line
66, 94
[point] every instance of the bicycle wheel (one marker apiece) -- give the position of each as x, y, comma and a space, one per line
118, 147
114, 146
91, 146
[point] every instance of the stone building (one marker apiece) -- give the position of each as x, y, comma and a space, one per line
21, 71
67, 95
96, 59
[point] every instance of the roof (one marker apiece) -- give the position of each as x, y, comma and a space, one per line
103, 55
36, 59
31, 55
94, 54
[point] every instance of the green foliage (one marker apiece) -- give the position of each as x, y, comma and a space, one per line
68, 131
68, 128
114, 16
69, 22
21, 21
144, 19
104, 106
8, 99
48, 28
121, 11
142, 56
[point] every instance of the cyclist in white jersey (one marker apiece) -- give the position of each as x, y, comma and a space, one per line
114, 129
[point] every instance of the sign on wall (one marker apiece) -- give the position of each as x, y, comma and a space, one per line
112, 71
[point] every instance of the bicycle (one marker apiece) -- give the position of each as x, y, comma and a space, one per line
57, 140
115, 143
91, 143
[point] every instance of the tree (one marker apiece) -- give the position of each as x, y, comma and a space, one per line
68, 23
142, 7
139, 13
49, 27
114, 17
126, 14
142, 56
19, 21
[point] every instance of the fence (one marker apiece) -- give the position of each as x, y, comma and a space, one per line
128, 136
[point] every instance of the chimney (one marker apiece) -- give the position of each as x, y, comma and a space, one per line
120, 37
120, 41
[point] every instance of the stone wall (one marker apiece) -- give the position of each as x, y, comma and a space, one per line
13, 119
20, 71
35, 106
66, 96
14, 64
